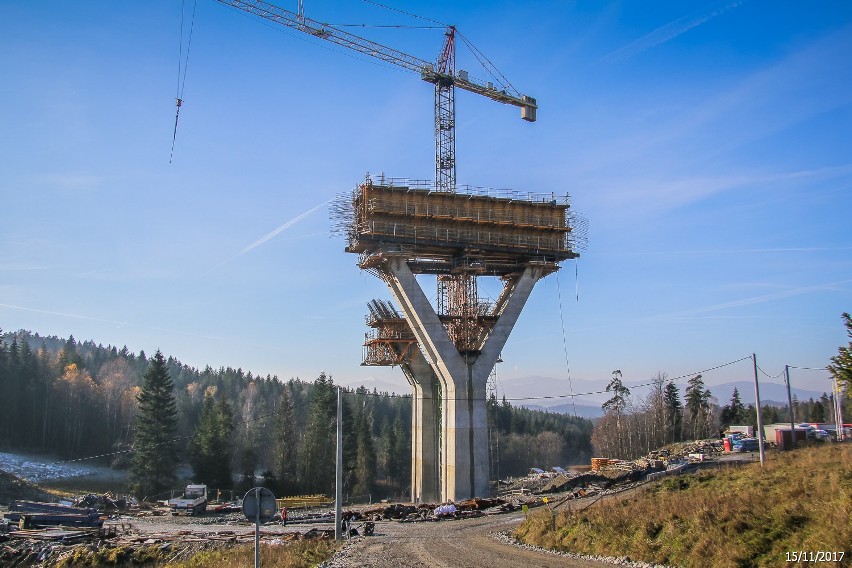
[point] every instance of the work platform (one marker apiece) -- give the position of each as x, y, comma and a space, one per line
497, 231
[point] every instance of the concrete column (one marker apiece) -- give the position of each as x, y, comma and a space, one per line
424, 430
464, 423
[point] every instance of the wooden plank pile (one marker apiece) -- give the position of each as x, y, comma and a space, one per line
50, 545
31, 514
304, 501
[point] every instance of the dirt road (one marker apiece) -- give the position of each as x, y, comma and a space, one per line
449, 544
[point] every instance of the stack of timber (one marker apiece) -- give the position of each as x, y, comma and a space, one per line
29, 514
304, 501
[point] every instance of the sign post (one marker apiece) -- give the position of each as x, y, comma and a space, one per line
259, 506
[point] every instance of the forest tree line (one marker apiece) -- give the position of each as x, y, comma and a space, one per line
81, 399
633, 426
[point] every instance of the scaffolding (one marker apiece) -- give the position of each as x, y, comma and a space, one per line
390, 341
501, 227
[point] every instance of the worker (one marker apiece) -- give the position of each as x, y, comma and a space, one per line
284, 516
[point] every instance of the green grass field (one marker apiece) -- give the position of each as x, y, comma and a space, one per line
731, 517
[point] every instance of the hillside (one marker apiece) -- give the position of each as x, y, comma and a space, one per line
733, 517
12, 487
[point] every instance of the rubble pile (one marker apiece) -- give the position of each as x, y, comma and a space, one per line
49, 546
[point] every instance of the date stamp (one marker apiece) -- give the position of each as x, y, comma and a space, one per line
813, 556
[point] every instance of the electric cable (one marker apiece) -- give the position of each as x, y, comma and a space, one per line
392, 9
565, 344
181, 82
388, 395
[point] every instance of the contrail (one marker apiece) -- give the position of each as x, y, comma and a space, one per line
114, 322
271, 234
668, 32
761, 299
283, 227
62, 314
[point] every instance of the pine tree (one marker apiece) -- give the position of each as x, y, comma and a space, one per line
210, 447
156, 455
620, 395
616, 407
674, 412
319, 449
698, 404
365, 465
841, 364
734, 412
286, 440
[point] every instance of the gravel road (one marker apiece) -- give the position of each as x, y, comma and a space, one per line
449, 544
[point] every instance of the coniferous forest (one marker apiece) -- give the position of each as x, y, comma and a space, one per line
131, 410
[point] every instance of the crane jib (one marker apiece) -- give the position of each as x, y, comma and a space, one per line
388, 54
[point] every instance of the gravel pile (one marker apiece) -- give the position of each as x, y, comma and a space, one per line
506, 538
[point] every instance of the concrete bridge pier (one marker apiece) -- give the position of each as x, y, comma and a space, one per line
425, 430
464, 463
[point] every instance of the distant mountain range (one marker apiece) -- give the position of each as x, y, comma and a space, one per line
554, 395
581, 410
769, 392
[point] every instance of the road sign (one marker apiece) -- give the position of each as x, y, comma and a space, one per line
268, 507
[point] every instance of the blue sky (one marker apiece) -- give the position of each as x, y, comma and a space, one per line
707, 143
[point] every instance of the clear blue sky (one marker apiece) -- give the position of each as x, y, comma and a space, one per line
708, 144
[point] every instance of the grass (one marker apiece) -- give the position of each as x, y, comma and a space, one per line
734, 517
299, 554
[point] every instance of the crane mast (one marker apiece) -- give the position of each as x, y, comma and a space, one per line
442, 74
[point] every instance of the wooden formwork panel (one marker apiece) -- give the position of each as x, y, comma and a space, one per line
457, 220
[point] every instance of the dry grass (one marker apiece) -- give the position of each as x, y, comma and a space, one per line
302, 554
298, 554
734, 517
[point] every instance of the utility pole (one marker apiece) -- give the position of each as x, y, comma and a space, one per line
790, 403
338, 476
838, 412
759, 418
257, 528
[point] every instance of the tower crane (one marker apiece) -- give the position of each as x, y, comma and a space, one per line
442, 74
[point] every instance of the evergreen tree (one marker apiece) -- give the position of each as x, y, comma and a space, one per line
616, 407
210, 448
621, 394
365, 465
698, 404
674, 411
841, 364
286, 440
734, 412
6, 388
156, 456
320, 437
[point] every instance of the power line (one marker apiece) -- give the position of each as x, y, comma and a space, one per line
186, 437
768, 375
392, 9
395, 395
810, 368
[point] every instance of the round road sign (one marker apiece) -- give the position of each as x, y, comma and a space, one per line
268, 508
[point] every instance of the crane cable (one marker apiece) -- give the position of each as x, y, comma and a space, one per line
183, 64
565, 344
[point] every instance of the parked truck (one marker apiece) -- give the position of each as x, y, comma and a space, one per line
192, 502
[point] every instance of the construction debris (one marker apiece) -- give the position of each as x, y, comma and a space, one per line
30, 514
51, 546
